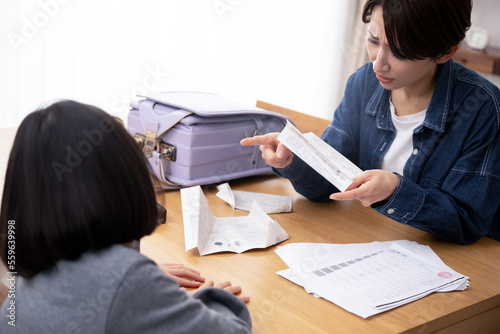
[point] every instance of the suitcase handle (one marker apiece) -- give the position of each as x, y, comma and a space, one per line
159, 124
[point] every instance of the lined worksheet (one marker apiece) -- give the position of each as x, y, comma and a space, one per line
367, 279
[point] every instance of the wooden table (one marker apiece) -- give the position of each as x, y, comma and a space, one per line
279, 306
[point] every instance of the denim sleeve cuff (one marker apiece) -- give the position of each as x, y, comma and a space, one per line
293, 171
405, 203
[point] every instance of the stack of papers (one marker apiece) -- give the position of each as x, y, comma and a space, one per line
212, 234
323, 158
243, 200
367, 279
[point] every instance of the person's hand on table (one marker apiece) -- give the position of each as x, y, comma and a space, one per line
227, 286
186, 277
273, 152
370, 187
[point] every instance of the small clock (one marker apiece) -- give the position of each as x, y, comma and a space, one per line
477, 38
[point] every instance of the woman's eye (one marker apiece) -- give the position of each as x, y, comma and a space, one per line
372, 41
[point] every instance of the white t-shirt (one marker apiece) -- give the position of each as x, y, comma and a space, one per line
398, 153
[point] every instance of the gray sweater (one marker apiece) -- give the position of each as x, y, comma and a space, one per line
118, 290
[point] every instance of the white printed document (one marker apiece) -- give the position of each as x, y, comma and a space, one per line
212, 234
323, 158
243, 200
367, 279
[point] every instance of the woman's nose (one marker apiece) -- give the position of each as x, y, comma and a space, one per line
380, 63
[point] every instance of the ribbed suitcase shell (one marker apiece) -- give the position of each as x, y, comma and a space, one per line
207, 146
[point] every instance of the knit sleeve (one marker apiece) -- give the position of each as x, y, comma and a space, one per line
147, 301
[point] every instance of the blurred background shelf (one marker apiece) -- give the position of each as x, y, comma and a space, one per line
486, 61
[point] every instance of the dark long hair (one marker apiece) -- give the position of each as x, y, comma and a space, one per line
76, 181
418, 29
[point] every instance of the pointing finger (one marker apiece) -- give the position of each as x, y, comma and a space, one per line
267, 140
258, 140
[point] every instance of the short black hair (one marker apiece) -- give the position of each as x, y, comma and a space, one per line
75, 181
419, 29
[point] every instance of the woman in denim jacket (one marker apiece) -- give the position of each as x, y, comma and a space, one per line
423, 128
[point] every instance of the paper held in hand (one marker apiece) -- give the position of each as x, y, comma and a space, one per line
323, 158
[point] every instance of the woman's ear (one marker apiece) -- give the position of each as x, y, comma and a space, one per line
447, 55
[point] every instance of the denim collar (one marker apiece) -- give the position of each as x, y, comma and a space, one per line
437, 111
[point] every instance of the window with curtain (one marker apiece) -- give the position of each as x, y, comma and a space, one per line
291, 53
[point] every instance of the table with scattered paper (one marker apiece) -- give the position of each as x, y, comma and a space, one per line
277, 305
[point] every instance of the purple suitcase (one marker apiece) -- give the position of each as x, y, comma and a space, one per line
192, 138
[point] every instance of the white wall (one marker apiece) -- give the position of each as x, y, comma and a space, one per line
486, 14
103, 52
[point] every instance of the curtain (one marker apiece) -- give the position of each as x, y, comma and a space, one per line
358, 55
286, 52
355, 53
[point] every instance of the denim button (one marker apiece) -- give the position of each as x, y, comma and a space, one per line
390, 211
415, 151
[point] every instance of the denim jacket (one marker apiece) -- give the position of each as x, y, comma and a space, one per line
450, 185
